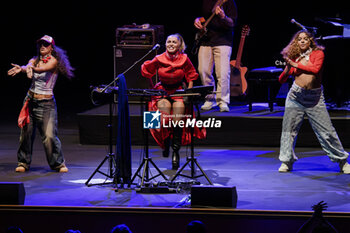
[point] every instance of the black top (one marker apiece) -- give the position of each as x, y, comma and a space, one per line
219, 31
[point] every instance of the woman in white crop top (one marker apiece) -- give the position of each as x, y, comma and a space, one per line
39, 108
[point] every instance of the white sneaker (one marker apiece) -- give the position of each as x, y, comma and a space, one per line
286, 167
63, 169
224, 107
208, 105
344, 167
20, 169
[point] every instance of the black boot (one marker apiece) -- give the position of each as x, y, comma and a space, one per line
176, 160
176, 145
167, 147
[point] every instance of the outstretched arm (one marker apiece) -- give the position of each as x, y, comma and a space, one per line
16, 69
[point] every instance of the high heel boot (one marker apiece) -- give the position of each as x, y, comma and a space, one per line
176, 145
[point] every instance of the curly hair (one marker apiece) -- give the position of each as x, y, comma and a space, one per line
293, 51
63, 66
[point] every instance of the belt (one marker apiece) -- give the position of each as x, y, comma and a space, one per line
39, 96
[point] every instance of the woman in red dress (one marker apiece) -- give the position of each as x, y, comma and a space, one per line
174, 68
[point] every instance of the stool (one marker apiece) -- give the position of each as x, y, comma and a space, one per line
263, 85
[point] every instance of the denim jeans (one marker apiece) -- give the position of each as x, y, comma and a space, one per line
301, 102
43, 116
220, 56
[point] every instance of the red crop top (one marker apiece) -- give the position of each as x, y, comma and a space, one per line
313, 66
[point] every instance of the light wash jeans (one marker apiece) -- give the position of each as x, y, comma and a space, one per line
220, 56
43, 116
301, 102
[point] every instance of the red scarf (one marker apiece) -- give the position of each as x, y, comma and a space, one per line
23, 117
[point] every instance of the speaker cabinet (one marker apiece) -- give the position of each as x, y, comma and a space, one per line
213, 196
12, 193
125, 58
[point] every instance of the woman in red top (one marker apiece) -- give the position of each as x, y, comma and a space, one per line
304, 59
173, 67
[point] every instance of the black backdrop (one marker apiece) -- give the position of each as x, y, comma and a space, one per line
86, 29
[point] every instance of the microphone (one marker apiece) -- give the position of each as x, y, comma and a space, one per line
299, 24
156, 47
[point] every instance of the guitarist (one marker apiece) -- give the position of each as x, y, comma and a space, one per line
215, 49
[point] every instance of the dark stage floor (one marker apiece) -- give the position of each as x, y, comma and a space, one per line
253, 170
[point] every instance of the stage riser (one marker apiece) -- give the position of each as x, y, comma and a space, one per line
149, 220
246, 131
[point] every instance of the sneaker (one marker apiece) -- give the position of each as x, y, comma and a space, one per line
285, 167
63, 169
344, 167
20, 169
224, 107
208, 105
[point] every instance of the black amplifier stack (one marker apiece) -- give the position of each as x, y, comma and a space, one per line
132, 43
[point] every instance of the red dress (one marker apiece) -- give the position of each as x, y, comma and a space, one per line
172, 70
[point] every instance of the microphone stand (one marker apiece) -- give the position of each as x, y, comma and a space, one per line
132, 66
113, 172
312, 30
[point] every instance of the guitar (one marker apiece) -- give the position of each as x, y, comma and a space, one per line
238, 83
203, 32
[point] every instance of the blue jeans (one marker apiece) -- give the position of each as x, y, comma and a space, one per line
43, 116
301, 102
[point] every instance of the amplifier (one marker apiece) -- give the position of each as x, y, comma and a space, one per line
12, 193
213, 196
139, 36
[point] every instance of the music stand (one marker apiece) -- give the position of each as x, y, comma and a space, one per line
193, 94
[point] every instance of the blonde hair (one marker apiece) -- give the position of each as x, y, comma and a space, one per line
182, 47
292, 50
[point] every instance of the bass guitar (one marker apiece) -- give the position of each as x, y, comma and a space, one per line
202, 33
238, 83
